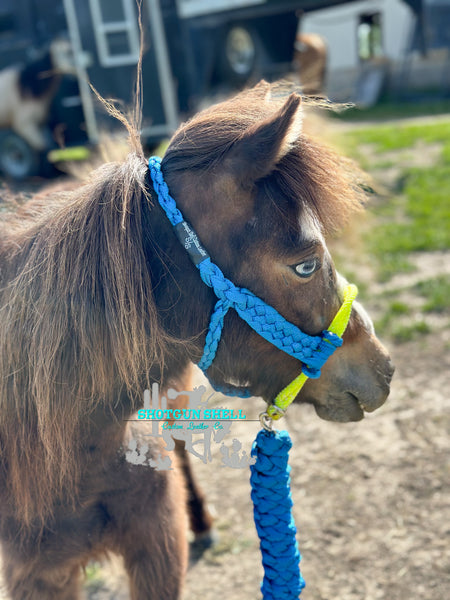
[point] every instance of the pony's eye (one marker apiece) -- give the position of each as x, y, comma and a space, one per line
307, 267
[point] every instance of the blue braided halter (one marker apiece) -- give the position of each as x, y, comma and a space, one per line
312, 351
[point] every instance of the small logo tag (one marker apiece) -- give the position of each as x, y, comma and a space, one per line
190, 242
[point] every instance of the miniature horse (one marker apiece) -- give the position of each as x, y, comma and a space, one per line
99, 300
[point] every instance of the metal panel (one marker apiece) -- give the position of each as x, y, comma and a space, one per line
116, 79
83, 83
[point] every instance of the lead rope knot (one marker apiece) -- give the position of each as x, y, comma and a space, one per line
272, 510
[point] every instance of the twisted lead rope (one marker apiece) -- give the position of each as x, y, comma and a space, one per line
272, 510
312, 351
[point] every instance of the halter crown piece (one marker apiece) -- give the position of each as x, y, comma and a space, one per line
270, 480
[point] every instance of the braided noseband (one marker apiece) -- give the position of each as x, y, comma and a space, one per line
312, 351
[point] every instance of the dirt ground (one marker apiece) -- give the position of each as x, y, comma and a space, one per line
371, 499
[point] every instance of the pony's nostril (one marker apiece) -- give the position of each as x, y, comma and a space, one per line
390, 370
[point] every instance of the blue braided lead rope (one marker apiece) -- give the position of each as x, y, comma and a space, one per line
272, 510
312, 351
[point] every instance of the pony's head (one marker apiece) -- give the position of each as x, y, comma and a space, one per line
261, 196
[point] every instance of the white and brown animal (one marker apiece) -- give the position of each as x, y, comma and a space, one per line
99, 301
26, 93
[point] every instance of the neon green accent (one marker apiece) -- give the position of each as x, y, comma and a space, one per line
338, 325
68, 154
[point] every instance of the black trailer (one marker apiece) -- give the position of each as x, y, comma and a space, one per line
192, 47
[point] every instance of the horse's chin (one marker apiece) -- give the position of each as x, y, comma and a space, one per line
340, 409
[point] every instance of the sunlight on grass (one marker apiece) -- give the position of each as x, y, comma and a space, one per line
390, 109
415, 217
387, 137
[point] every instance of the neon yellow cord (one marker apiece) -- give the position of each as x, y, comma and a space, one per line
338, 325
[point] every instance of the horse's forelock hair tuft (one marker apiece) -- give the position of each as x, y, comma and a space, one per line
319, 180
312, 173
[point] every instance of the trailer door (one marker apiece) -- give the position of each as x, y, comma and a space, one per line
105, 38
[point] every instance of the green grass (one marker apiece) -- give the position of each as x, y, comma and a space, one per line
406, 333
403, 322
395, 309
390, 109
417, 216
399, 308
414, 217
437, 294
388, 137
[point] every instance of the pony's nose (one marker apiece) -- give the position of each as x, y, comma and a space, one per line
390, 370
385, 378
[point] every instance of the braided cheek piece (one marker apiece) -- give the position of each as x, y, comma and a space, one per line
312, 351
272, 510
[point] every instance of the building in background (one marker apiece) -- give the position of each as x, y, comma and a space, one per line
373, 45
192, 49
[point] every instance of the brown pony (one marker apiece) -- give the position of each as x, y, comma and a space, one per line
98, 300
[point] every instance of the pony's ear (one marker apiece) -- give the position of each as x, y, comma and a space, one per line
261, 146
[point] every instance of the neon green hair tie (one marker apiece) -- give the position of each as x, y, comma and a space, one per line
338, 325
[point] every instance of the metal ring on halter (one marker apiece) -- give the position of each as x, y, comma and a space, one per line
266, 421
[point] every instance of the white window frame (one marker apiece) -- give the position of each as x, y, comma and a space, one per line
195, 8
102, 29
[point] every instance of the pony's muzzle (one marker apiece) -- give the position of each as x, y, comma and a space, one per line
352, 386
378, 394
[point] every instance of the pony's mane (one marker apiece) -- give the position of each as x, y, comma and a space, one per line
76, 298
310, 174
